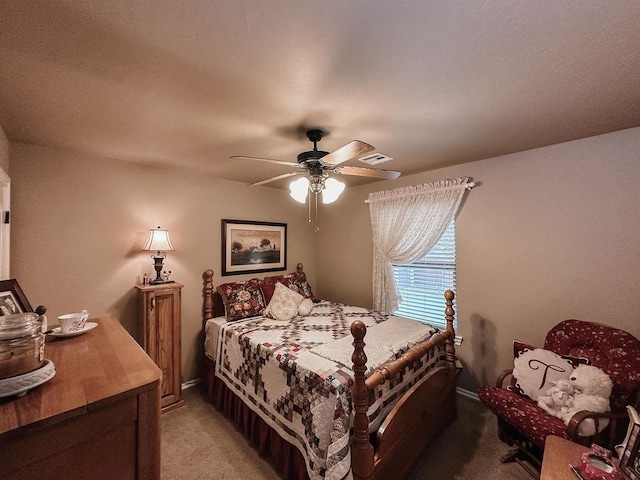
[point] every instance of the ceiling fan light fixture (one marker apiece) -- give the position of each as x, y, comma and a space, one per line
299, 189
317, 183
332, 190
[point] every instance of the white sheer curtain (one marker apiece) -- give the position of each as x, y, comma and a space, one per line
407, 222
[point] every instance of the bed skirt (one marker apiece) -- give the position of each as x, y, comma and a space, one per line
285, 458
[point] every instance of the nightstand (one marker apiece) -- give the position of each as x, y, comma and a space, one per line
159, 333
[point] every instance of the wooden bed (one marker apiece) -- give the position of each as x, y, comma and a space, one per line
415, 420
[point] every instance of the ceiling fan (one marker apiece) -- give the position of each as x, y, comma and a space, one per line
317, 164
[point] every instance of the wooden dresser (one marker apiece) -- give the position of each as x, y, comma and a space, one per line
98, 417
160, 334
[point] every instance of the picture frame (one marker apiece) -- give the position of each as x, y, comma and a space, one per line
12, 298
252, 247
629, 458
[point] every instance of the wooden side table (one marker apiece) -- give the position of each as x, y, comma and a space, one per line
160, 333
558, 454
98, 417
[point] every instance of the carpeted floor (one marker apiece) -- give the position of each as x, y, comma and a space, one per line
199, 443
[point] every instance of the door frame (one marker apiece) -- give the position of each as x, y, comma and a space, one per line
5, 228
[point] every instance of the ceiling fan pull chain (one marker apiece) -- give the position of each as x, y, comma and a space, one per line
309, 204
316, 228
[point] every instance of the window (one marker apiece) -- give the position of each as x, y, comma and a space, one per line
422, 283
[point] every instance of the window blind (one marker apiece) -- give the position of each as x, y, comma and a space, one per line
422, 284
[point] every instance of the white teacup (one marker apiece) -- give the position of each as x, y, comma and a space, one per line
73, 322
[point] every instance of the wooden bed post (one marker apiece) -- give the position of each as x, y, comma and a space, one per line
361, 448
208, 295
450, 351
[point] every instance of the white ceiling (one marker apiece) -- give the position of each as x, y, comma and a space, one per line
429, 83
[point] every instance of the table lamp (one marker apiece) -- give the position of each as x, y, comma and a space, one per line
159, 241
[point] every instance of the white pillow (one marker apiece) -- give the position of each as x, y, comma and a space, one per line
535, 369
305, 307
284, 303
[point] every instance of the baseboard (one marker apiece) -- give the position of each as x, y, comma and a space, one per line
467, 393
191, 383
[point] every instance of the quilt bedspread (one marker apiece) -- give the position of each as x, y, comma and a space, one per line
305, 397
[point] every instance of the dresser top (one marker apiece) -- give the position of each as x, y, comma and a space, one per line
99, 367
159, 286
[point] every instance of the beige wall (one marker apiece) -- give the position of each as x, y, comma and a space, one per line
79, 223
549, 234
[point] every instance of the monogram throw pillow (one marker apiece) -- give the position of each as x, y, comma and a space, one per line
535, 368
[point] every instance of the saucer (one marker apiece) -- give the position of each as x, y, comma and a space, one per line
21, 384
88, 326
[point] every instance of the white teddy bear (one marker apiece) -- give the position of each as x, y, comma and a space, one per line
558, 398
592, 389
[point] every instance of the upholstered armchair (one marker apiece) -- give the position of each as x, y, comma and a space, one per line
523, 424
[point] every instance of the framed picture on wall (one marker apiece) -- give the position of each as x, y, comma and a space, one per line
12, 299
252, 247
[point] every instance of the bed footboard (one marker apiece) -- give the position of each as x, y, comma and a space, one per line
418, 417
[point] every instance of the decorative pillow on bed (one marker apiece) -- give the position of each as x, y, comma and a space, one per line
268, 289
535, 368
305, 307
298, 283
272, 280
284, 303
242, 299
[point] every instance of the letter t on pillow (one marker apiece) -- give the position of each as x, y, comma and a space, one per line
535, 368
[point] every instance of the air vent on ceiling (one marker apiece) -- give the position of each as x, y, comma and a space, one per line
375, 158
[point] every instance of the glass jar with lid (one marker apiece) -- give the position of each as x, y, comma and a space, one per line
21, 344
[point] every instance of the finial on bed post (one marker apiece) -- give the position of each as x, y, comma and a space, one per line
299, 268
449, 313
208, 294
361, 449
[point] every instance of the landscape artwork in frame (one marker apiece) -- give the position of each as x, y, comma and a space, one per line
252, 247
12, 299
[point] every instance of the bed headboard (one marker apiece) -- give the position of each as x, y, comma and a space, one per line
213, 305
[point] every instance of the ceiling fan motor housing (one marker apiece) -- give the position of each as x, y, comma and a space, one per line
313, 156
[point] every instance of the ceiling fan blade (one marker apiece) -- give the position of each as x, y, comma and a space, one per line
273, 179
353, 149
368, 172
279, 162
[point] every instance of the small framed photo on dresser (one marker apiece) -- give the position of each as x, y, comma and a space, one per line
12, 298
628, 450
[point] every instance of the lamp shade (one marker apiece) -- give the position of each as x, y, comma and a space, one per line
299, 189
158, 240
332, 190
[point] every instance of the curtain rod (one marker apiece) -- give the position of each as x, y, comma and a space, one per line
467, 186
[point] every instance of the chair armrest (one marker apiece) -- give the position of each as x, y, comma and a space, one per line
604, 436
503, 375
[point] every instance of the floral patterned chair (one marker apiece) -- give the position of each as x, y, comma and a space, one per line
523, 424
